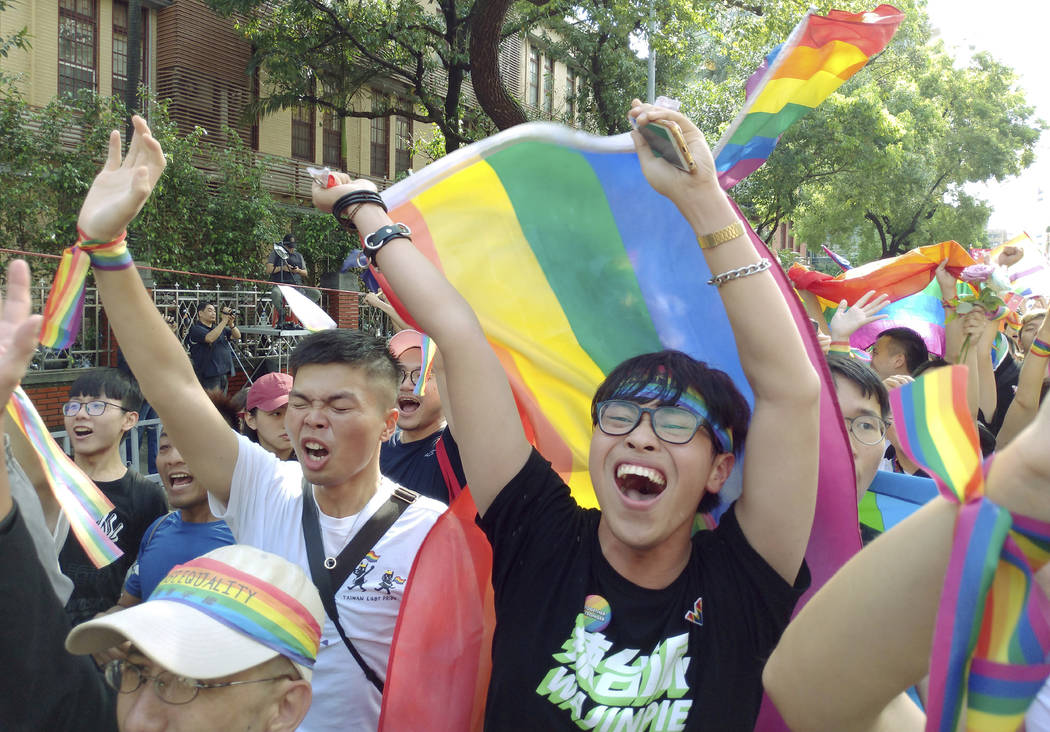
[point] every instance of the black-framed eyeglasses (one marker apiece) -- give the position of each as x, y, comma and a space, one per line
126, 677
675, 425
94, 408
412, 376
867, 429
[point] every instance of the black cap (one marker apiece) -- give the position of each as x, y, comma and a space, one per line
289, 240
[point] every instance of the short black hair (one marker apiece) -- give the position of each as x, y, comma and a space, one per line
351, 348
675, 372
110, 383
911, 343
863, 377
934, 363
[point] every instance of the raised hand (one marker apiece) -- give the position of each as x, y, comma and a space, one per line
18, 329
662, 176
1010, 255
118, 192
946, 280
848, 320
325, 198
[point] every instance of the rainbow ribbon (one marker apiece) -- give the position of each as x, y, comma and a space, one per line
991, 646
429, 349
821, 53
65, 304
82, 502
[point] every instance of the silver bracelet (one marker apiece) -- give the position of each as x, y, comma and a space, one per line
734, 274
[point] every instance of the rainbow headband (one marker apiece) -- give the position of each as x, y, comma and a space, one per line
690, 399
246, 604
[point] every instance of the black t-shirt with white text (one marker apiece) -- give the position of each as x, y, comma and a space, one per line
137, 501
577, 646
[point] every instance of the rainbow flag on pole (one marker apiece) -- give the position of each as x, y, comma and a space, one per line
821, 53
572, 264
82, 502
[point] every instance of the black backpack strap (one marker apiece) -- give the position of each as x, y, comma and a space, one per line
329, 575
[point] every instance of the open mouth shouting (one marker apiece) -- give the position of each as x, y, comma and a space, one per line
407, 403
315, 453
639, 483
82, 432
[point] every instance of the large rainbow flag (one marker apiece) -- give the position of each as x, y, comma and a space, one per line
573, 264
1030, 276
821, 53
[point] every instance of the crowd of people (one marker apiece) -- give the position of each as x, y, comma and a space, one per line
267, 597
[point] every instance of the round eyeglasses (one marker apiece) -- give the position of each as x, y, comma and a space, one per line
412, 376
867, 429
93, 408
675, 425
126, 677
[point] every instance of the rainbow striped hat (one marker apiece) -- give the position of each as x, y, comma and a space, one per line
225, 612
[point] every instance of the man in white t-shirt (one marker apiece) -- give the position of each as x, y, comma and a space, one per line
341, 408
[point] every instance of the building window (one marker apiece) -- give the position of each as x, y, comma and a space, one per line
120, 48
303, 123
380, 141
534, 77
548, 86
570, 94
77, 46
403, 146
332, 141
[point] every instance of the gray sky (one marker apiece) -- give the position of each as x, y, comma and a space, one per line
1015, 32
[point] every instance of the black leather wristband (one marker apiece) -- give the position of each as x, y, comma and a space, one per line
382, 236
351, 199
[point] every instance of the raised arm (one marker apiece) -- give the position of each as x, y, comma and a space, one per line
476, 393
1029, 386
847, 320
776, 507
882, 604
154, 353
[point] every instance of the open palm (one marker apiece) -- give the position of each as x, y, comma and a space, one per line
18, 329
122, 187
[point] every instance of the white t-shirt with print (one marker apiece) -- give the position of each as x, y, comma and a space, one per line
265, 511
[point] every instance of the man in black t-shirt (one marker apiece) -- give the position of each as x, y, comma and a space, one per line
619, 618
210, 349
288, 270
412, 457
101, 410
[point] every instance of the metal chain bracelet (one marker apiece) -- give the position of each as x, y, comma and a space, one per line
734, 274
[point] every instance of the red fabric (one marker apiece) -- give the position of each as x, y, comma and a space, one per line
897, 277
442, 648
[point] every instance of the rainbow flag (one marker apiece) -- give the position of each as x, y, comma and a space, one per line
991, 646
821, 53
897, 277
570, 274
842, 262
892, 497
82, 502
922, 312
426, 365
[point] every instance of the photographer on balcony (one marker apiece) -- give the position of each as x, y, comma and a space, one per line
287, 267
210, 349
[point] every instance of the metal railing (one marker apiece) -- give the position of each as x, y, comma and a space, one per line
92, 346
132, 448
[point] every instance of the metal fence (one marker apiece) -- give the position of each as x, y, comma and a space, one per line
252, 302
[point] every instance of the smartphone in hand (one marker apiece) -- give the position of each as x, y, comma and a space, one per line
667, 141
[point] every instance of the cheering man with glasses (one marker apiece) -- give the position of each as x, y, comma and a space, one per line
620, 617
101, 410
412, 457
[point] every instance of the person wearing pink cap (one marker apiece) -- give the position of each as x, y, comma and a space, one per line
421, 450
264, 420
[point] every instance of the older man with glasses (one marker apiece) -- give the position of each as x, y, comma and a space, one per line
102, 408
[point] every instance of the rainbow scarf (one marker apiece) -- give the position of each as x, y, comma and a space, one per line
84, 505
571, 274
821, 53
65, 305
240, 601
991, 644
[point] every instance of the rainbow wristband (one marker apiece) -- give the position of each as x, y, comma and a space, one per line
107, 255
1040, 349
841, 347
